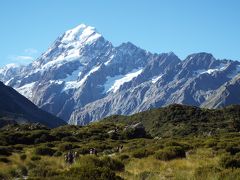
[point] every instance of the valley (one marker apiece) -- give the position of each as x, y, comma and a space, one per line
185, 146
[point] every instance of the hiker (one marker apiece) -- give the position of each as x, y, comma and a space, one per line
119, 148
93, 151
69, 157
75, 156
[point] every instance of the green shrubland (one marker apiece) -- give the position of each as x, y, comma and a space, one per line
176, 142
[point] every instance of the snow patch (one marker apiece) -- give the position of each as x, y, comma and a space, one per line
7, 83
155, 79
26, 90
56, 82
74, 76
210, 71
114, 83
110, 59
75, 84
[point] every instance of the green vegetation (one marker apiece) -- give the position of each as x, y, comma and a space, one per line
189, 143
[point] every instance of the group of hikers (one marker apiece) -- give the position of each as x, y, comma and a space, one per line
71, 156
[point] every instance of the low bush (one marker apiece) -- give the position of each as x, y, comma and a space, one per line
91, 173
67, 146
35, 158
50, 145
211, 143
203, 172
42, 171
22, 171
44, 151
4, 176
232, 149
23, 157
228, 161
4, 151
70, 139
169, 153
123, 157
141, 153
4, 160
57, 154
113, 164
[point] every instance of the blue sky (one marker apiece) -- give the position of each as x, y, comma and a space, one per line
29, 27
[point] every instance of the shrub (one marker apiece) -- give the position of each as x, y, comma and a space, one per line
70, 139
107, 162
113, 164
57, 154
123, 157
141, 153
50, 145
232, 149
4, 176
42, 171
211, 143
45, 138
44, 151
83, 150
204, 171
92, 173
132, 133
67, 146
4, 151
4, 160
114, 136
22, 171
35, 158
18, 147
13, 172
228, 161
185, 146
23, 157
169, 153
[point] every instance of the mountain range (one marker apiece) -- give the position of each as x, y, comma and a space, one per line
83, 77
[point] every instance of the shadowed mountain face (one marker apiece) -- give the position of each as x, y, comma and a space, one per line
15, 108
82, 77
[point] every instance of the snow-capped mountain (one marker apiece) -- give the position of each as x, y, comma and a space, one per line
82, 77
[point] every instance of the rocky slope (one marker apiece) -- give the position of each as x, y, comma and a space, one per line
15, 108
82, 77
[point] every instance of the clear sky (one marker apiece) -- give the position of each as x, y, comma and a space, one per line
29, 27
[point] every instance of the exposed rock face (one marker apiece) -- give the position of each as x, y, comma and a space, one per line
83, 77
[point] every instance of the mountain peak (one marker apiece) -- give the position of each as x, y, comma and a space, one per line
201, 55
199, 60
82, 32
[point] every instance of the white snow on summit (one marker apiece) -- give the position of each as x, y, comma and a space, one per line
82, 33
72, 43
